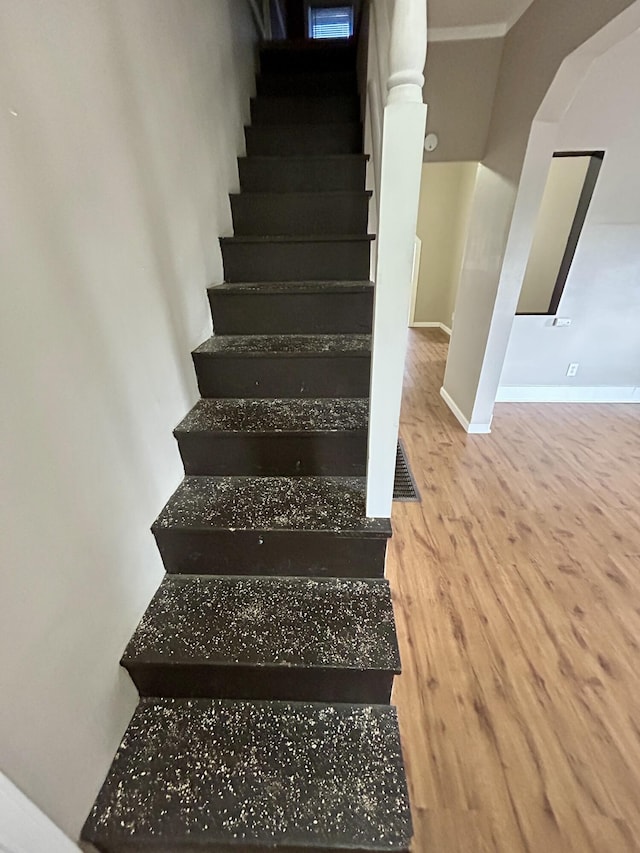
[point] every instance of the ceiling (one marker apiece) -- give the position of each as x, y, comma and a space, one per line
473, 18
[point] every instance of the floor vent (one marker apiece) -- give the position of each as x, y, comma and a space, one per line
404, 486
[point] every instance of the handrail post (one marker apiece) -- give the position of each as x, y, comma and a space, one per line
403, 127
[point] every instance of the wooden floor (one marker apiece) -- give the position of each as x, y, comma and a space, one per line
517, 592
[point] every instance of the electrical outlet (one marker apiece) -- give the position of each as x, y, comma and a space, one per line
573, 368
562, 321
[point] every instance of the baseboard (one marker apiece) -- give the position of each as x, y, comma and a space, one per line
472, 429
26, 829
424, 325
567, 394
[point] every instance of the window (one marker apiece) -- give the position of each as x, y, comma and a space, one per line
334, 22
565, 203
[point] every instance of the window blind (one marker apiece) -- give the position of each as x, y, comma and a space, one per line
334, 22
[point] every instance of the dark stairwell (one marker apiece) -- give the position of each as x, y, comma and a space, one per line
266, 658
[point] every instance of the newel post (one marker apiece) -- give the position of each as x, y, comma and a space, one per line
407, 52
400, 172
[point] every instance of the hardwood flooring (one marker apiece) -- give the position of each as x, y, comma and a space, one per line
516, 586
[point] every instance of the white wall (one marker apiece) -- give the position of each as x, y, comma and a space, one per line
602, 293
120, 126
446, 191
26, 829
548, 40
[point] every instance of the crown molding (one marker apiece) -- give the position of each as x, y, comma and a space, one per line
481, 31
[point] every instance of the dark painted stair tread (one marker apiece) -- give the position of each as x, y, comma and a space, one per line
275, 436
254, 776
314, 109
297, 238
260, 287
293, 128
266, 416
266, 159
308, 55
310, 172
295, 100
295, 307
326, 623
300, 213
308, 46
331, 505
286, 345
308, 83
338, 137
312, 195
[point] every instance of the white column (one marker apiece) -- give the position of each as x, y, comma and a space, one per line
403, 127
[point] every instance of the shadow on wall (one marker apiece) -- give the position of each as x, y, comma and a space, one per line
126, 119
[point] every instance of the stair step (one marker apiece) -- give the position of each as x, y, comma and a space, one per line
309, 84
308, 639
281, 213
271, 526
290, 308
284, 366
275, 437
303, 173
294, 57
285, 139
278, 109
334, 286
296, 257
203, 774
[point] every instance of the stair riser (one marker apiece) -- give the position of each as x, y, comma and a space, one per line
180, 846
296, 261
282, 376
252, 552
304, 175
279, 110
290, 314
281, 140
340, 454
309, 84
324, 59
314, 213
261, 682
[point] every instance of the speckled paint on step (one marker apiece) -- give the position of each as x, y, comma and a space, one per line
257, 775
325, 345
291, 287
335, 504
299, 622
277, 415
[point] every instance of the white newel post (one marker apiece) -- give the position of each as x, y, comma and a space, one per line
403, 127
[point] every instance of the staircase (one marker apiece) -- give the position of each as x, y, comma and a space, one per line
266, 658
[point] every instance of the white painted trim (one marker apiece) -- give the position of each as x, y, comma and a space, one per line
415, 275
472, 429
481, 31
567, 394
26, 829
420, 324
